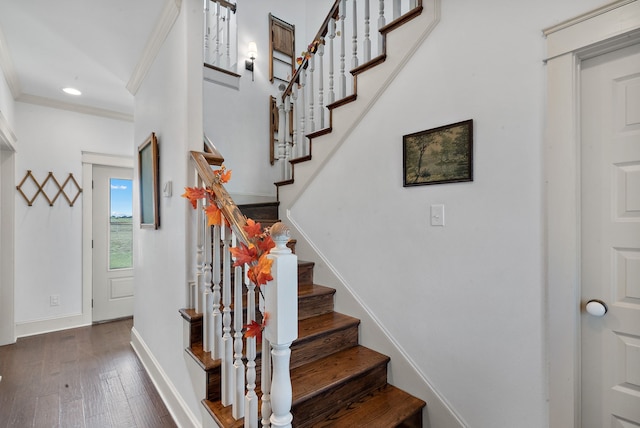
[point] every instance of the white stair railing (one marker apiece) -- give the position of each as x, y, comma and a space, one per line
223, 323
348, 23
220, 34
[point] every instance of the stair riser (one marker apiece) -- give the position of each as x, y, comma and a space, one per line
312, 350
314, 305
315, 408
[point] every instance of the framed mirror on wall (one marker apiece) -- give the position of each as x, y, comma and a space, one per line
148, 183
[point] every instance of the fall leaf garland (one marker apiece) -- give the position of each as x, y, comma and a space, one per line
254, 254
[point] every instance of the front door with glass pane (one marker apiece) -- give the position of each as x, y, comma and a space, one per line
112, 243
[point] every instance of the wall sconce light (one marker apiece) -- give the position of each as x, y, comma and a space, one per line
248, 64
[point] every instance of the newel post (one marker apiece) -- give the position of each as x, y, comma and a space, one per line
281, 303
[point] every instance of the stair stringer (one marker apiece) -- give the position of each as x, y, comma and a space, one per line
403, 372
401, 44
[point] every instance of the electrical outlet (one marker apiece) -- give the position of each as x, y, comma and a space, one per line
54, 300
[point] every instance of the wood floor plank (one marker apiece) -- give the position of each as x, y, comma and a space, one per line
87, 377
47, 412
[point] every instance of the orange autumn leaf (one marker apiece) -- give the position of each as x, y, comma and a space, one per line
223, 174
194, 194
214, 215
244, 254
252, 228
253, 330
265, 245
260, 273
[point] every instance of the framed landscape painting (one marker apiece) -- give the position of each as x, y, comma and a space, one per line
439, 155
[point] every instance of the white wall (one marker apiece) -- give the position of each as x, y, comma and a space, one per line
169, 103
48, 238
464, 301
237, 120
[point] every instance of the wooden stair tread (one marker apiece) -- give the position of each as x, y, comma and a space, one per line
203, 358
190, 314
385, 407
314, 378
324, 324
306, 290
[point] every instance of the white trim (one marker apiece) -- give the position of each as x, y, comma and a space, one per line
8, 139
78, 108
163, 26
89, 159
8, 69
606, 24
180, 412
7, 247
603, 30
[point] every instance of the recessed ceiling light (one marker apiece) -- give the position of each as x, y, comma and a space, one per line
71, 91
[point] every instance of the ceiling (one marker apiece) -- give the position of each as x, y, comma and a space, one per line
90, 45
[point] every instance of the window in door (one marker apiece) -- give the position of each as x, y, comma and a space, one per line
120, 224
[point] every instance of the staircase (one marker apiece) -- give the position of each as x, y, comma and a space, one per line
335, 381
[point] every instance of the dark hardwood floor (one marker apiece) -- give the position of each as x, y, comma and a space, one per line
85, 377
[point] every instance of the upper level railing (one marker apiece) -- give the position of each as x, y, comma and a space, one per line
343, 47
220, 35
227, 246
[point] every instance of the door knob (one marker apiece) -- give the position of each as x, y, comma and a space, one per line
596, 307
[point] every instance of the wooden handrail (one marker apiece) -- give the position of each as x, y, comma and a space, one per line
225, 203
226, 4
324, 28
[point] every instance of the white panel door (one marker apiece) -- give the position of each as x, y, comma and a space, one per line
112, 243
610, 238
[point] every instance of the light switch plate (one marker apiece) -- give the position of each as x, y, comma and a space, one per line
437, 215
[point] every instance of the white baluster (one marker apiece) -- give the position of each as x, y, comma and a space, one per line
366, 45
282, 142
205, 52
251, 398
238, 364
294, 108
354, 58
343, 78
216, 61
311, 69
199, 303
265, 383
396, 9
228, 40
287, 147
302, 106
227, 342
207, 335
282, 328
216, 330
381, 23
321, 84
332, 36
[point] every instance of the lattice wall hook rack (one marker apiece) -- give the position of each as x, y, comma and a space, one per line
41, 190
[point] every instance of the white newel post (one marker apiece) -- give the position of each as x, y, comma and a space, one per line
281, 303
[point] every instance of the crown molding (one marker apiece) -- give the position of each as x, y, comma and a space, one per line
48, 102
7, 138
9, 71
163, 26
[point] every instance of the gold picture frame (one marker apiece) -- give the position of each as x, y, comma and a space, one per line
148, 183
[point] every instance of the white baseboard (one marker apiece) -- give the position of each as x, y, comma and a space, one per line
182, 415
48, 325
